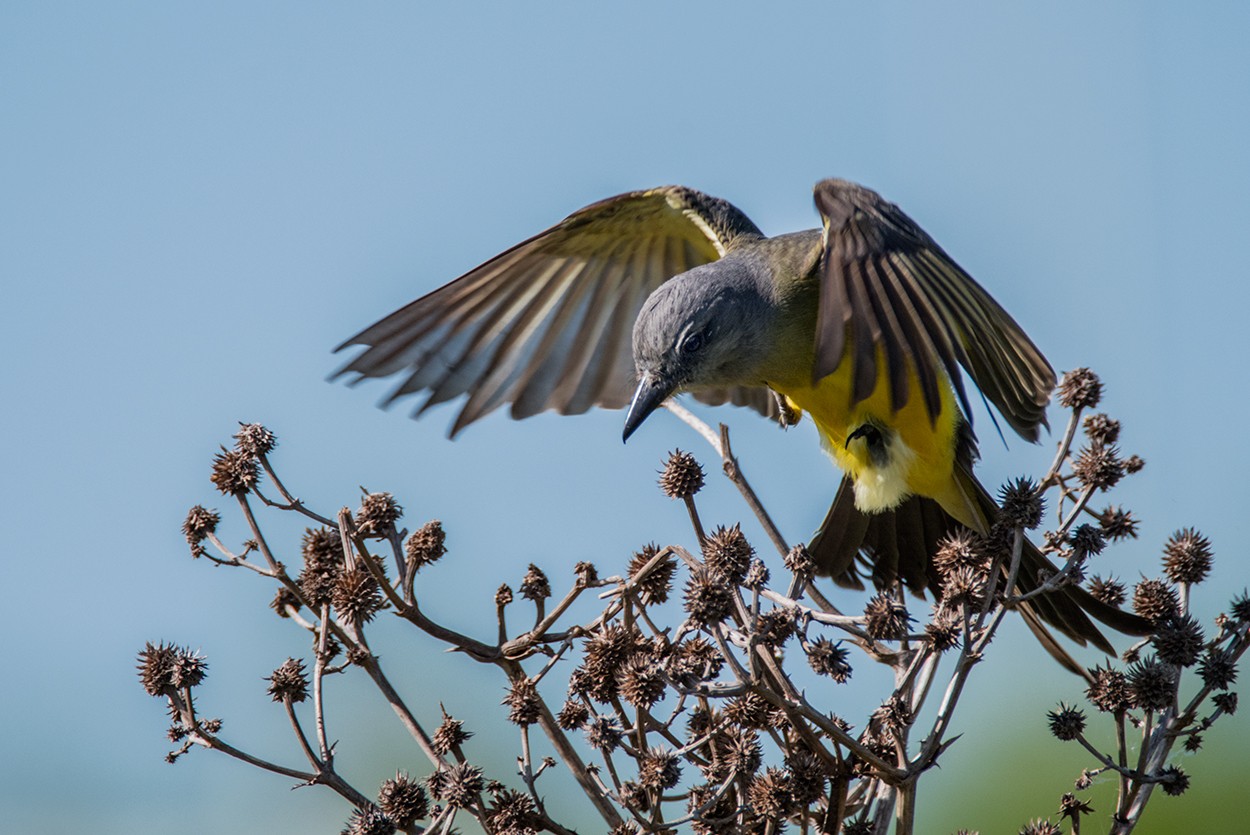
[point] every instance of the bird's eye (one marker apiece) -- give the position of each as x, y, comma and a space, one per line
693, 342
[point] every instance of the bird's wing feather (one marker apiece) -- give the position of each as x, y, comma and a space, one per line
547, 324
887, 286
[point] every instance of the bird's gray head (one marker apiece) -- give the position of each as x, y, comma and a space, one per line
704, 328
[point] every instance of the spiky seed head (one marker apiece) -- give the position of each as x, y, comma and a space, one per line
964, 587
1040, 826
749, 710
655, 586
1098, 466
534, 585
1173, 780
426, 544
1021, 504
1240, 607
1193, 743
640, 681
775, 627
574, 715
1187, 557
200, 522
694, 660
1101, 428
377, 515
1070, 806
603, 734
288, 682
1118, 523
163, 667
887, 618
234, 473
721, 807
356, 596
369, 821
829, 659
503, 596
464, 783
757, 575
769, 794
727, 552
1152, 684
1134, 464
659, 769
284, 602
799, 562
1067, 723
736, 749
513, 813
450, 735
807, 776
708, 597
1080, 388
403, 800
1108, 590
1178, 640
892, 717
961, 549
682, 476
1109, 691
524, 704
1218, 669
945, 628
1226, 702
323, 562
254, 440
1088, 540
587, 574
1155, 600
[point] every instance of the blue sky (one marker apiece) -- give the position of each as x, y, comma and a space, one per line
198, 201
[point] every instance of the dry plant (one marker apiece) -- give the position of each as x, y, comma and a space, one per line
697, 724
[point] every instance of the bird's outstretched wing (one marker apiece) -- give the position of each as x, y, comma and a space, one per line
547, 324
887, 287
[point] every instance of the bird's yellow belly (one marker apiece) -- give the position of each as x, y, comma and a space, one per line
919, 453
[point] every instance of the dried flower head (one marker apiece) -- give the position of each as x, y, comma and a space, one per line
659, 769
694, 660
1152, 684
727, 552
945, 628
534, 585
573, 715
750, 710
1080, 388
1108, 590
961, 549
426, 545
1102, 428
1118, 523
736, 750
1226, 702
403, 800
1067, 723
1134, 464
1038, 826
1193, 743
708, 598
964, 587
513, 813
356, 596
640, 681
1173, 780
1021, 504
323, 562
288, 682
829, 659
234, 473
775, 627
603, 734
200, 522
682, 477
524, 704
1109, 691
807, 776
587, 574
1178, 640
450, 734
463, 784
163, 667
1070, 806
1187, 557
1155, 600
284, 602
1088, 540
887, 618
1218, 668
757, 575
254, 440
1099, 466
769, 794
799, 562
377, 515
655, 586
712, 811
369, 821
1240, 607
503, 596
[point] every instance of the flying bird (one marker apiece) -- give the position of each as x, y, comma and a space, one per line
862, 324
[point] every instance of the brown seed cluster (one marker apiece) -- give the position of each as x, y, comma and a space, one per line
403, 800
1187, 557
377, 515
164, 667
254, 440
682, 476
426, 545
1080, 388
727, 553
289, 682
234, 473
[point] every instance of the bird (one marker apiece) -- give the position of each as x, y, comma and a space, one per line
862, 324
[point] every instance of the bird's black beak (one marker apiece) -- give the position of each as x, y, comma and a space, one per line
647, 398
